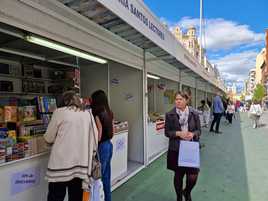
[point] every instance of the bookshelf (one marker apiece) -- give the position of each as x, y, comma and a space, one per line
32, 90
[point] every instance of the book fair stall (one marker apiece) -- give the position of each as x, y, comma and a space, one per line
161, 98
30, 89
126, 104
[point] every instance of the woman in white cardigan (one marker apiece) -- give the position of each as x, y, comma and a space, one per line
71, 131
255, 113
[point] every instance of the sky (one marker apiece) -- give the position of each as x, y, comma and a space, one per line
234, 31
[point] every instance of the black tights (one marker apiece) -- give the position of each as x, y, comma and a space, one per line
191, 180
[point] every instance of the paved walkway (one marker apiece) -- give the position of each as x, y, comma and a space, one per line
234, 168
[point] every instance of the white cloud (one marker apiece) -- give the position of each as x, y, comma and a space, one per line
222, 34
235, 66
227, 36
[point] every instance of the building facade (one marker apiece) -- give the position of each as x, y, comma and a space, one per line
264, 68
252, 81
190, 42
260, 64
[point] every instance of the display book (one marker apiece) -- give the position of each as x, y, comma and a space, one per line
158, 119
22, 125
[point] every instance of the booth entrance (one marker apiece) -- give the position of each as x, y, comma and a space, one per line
161, 97
123, 85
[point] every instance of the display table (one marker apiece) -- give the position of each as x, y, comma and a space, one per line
157, 141
120, 156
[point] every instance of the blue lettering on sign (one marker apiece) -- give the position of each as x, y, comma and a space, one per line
142, 18
24, 180
120, 144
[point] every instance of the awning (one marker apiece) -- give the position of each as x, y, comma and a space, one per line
133, 21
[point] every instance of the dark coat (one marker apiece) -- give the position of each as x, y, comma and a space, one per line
172, 125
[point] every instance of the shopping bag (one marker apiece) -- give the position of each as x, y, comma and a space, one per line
86, 196
189, 154
97, 192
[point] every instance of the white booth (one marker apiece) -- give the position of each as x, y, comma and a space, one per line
124, 89
161, 93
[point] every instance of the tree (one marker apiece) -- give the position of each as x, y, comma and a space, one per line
259, 92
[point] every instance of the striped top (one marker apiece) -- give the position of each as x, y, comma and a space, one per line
72, 134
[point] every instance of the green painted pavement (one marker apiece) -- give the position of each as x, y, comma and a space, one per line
234, 168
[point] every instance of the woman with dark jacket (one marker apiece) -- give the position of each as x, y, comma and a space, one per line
104, 121
182, 123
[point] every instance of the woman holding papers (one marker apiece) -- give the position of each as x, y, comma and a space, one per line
182, 124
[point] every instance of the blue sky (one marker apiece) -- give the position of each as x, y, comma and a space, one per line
235, 30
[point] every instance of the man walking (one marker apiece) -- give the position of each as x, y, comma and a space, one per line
218, 109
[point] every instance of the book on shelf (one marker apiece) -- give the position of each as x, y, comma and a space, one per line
46, 106
28, 130
27, 113
10, 113
2, 114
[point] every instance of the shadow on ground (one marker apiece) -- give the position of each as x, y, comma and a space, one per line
223, 175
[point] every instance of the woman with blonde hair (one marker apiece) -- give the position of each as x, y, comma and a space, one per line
71, 131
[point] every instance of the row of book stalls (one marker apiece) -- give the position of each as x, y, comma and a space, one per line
30, 91
35, 70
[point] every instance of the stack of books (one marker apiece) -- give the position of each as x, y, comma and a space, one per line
46, 106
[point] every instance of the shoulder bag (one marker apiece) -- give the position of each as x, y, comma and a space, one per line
96, 164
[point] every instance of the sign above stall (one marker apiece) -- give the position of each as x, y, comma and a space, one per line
136, 14
143, 18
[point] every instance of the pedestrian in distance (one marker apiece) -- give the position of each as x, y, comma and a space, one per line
204, 113
230, 112
218, 109
255, 113
182, 123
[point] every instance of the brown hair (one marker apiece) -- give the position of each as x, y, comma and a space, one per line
182, 94
72, 100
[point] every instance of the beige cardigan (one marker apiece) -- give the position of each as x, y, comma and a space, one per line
72, 134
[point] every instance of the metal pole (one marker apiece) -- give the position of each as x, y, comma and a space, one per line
108, 83
180, 89
195, 93
145, 109
201, 34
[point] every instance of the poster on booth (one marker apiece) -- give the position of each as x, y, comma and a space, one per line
159, 127
120, 144
23, 180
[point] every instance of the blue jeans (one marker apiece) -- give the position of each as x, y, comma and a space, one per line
106, 152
